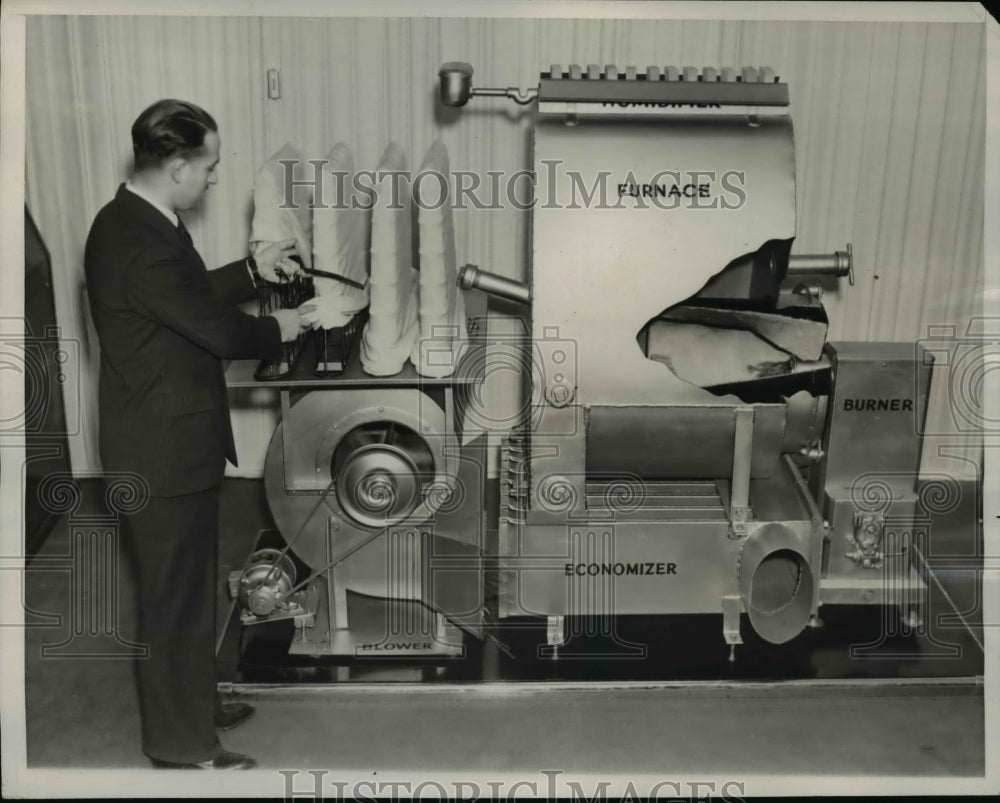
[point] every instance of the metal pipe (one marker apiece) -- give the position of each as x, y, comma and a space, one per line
522, 96
456, 87
839, 263
471, 277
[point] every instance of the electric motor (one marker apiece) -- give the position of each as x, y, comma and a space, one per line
262, 586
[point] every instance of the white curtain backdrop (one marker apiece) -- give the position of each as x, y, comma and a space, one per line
889, 126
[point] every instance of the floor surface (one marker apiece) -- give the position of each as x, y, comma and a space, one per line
82, 710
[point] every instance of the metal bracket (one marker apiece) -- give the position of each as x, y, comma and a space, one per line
288, 442
300, 607
739, 500
273, 84
336, 587
445, 632
233, 579
555, 630
731, 620
867, 540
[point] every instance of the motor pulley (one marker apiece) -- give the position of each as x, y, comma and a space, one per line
381, 469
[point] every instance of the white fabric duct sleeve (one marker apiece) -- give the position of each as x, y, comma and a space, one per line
443, 330
340, 244
272, 221
392, 326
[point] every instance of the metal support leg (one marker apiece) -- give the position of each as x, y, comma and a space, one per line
445, 632
287, 441
731, 620
739, 503
731, 624
336, 588
555, 634
911, 617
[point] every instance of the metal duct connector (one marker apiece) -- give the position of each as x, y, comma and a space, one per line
471, 277
839, 263
456, 83
776, 582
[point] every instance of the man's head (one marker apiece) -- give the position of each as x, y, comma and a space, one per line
176, 146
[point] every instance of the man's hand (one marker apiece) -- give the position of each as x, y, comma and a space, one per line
277, 257
289, 322
308, 314
332, 311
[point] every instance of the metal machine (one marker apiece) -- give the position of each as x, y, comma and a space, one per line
369, 481
690, 441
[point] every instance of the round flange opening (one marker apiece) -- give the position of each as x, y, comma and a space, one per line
776, 581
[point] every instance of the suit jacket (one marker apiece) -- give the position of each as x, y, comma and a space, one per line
165, 324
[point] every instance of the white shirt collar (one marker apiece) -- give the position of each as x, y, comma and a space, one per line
167, 213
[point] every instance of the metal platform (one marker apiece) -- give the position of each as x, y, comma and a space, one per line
379, 628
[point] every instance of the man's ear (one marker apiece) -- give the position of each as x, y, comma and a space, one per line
176, 167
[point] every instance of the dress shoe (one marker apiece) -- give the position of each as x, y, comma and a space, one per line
223, 761
233, 715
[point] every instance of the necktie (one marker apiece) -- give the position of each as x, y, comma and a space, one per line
185, 234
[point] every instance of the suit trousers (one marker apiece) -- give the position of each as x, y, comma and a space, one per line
173, 543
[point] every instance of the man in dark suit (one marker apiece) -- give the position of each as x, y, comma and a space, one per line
165, 324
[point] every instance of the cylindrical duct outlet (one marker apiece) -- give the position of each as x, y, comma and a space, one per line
835, 264
471, 277
456, 83
839, 263
776, 583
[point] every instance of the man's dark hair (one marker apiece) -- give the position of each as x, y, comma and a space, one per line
167, 129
